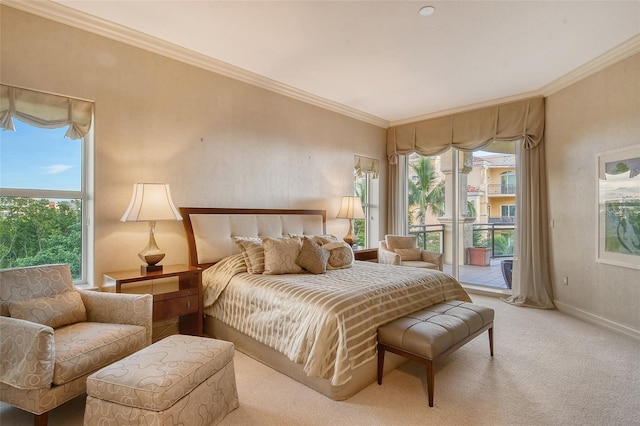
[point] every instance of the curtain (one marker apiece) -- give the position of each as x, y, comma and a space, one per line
397, 213
366, 165
521, 121
44, 110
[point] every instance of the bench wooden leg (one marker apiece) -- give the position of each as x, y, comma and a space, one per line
430, 380
41, 419
491, 340
380, 363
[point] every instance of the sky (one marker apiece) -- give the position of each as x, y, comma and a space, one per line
35, 158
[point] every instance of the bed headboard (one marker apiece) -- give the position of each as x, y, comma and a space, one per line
210, 231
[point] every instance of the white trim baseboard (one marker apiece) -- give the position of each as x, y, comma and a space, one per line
597, 320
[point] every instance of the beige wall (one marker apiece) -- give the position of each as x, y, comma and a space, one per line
599, 113
217, 142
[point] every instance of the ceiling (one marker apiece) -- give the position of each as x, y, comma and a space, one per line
380, 61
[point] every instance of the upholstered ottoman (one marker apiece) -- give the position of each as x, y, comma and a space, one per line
430, 335
180, 380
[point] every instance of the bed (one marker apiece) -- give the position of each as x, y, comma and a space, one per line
319, 329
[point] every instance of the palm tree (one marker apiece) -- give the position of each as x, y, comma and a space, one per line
426, 194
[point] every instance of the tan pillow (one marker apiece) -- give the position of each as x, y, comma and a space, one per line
280, 255
325, 239
253, 253
312, 257
56, 311
409, 253
401, 242
340, 255
318, 239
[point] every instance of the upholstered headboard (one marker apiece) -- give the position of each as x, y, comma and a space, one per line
210, 231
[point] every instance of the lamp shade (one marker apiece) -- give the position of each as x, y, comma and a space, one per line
150, 202
351, 208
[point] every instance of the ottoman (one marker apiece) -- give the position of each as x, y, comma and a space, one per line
430, 335
180, 380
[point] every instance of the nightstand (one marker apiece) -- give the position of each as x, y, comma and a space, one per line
366, 254
183, 300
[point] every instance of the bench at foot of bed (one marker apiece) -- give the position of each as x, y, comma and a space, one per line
430, 335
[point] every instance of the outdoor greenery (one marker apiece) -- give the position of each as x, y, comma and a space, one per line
40, 231
426, 193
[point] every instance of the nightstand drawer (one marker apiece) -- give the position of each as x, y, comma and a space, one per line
169, 308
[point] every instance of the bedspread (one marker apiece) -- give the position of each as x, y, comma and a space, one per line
326, 322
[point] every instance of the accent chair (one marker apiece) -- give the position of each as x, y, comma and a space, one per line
54, 335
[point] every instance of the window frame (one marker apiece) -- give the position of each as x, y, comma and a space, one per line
84, 195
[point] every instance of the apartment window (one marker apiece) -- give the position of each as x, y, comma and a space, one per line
44, 180
508, 210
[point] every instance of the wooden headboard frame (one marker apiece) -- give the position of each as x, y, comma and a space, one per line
187, 212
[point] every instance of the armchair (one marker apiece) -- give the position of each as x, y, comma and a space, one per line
404, 251
54, 335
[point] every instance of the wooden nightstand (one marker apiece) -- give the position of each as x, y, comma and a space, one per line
366, 254
184, 302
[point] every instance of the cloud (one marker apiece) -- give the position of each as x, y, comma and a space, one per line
56, 168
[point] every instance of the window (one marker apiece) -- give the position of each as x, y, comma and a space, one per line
471, 186
44, 181
366, 187
508, 182
508, 210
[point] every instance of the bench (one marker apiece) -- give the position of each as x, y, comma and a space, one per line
430, 335
179, 380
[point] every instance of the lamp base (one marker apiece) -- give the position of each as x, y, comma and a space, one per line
150, 268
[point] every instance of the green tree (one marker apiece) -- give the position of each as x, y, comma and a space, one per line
360, 225
40, 231
426, 193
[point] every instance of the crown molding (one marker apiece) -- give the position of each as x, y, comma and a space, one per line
617, 54
467, 108
68, 16
65, 15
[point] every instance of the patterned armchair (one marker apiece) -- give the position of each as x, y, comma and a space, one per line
54, 335
404, 251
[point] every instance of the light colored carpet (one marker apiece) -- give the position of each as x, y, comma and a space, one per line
548, 369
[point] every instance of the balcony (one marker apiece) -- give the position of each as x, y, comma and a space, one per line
497, 236
501, 189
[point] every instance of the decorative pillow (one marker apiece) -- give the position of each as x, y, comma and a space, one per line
401, 242
253, 253
62, 309
340, 255
325, 239
318, 239
410, 253
280, 255
312, 257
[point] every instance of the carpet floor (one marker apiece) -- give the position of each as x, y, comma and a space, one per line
548, 369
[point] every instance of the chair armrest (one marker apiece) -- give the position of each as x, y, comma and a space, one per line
432, 257
387, 256
119, 308
27, 354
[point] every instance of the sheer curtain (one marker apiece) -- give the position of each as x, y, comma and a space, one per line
521, 121
44, 110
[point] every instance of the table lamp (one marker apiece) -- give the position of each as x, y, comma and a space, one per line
351, 209
151, 202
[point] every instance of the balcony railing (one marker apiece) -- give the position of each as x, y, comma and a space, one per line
430, 237
501, 189
484, 234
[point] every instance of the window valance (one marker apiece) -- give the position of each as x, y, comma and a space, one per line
366, 165
44, 110
470, 130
